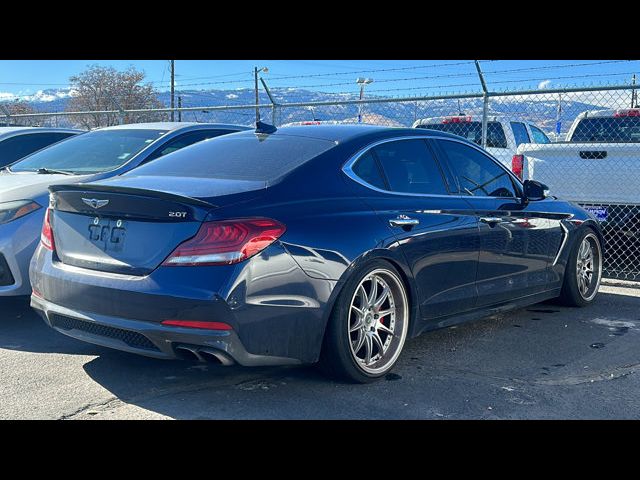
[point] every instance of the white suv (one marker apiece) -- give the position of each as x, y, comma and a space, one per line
504, 134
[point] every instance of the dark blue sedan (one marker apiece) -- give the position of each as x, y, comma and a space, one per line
328, 243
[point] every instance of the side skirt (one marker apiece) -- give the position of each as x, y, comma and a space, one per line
488, 311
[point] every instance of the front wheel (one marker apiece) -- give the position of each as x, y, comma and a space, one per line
583, 272
368, 325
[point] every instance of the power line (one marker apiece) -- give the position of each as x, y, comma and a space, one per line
416, 67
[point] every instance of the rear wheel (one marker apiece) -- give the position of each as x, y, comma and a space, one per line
368, 325
583, 272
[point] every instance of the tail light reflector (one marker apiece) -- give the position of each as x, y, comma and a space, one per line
197, 324
226, 242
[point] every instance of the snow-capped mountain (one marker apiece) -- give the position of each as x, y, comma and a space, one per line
539, 110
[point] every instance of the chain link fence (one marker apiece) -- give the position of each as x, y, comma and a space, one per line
584, 143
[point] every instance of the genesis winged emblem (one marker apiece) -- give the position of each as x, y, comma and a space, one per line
95, 203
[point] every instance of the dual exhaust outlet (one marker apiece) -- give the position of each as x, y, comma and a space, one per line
204, 355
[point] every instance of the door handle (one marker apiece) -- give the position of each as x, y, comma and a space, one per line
491, 220
404, 222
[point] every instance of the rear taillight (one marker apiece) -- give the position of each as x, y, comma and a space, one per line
46, 237
226, 242
517, 165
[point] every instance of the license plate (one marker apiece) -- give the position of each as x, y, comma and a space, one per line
107, 233
599, 212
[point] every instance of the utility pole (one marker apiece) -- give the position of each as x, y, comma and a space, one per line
173, 86
179, 106
634, 94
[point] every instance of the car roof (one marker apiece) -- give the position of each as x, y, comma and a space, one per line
474, 118
4, 131
171, 126
343, 133
603, 113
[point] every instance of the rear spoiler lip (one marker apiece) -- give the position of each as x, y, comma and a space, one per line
88, 187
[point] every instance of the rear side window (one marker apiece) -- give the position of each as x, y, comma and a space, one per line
477, 174
608, 129
184, 140
368, 170
520, 133
410, 167
472, 131
240, 156
14, 148
538, 135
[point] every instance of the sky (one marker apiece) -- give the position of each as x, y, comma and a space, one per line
390, 77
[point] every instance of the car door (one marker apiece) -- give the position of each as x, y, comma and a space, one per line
438, 239
518, 242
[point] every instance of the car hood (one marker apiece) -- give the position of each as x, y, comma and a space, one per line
27, 185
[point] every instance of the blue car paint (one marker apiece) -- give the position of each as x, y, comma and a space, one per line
279, 301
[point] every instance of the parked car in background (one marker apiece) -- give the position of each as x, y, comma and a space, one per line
331, 244
597, 166
98, 154
504, 134
18, 142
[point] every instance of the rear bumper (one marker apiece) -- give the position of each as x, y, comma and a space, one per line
151, 339
277, 313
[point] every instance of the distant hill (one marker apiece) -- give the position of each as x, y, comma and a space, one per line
541, 112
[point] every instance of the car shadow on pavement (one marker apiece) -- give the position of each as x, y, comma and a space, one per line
507, 366
22, 329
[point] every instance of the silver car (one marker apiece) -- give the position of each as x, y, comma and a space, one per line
18, 142
95, 155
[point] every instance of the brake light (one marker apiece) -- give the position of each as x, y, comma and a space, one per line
197, 324
627, 113
46, 237
464, 119
517, 165
226, 242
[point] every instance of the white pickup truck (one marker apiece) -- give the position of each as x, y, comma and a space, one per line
504, 134
599, 163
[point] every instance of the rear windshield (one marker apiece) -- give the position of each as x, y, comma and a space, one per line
473, 131
244, 156
92, 152
608, 129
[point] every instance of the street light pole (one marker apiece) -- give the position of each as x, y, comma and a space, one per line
362, 82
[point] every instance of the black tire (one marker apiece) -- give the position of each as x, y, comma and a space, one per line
337, 359
571, 294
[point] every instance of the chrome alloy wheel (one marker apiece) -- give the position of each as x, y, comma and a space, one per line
589, 267
378, 321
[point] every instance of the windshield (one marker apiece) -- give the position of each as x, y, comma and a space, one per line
239, 156
608, 129
473, 131
92, 152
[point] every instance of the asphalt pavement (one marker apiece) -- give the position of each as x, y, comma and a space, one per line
542, 362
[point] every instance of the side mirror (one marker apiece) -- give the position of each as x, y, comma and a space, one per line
534, 190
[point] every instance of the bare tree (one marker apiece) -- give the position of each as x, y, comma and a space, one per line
105, 88
16, 107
